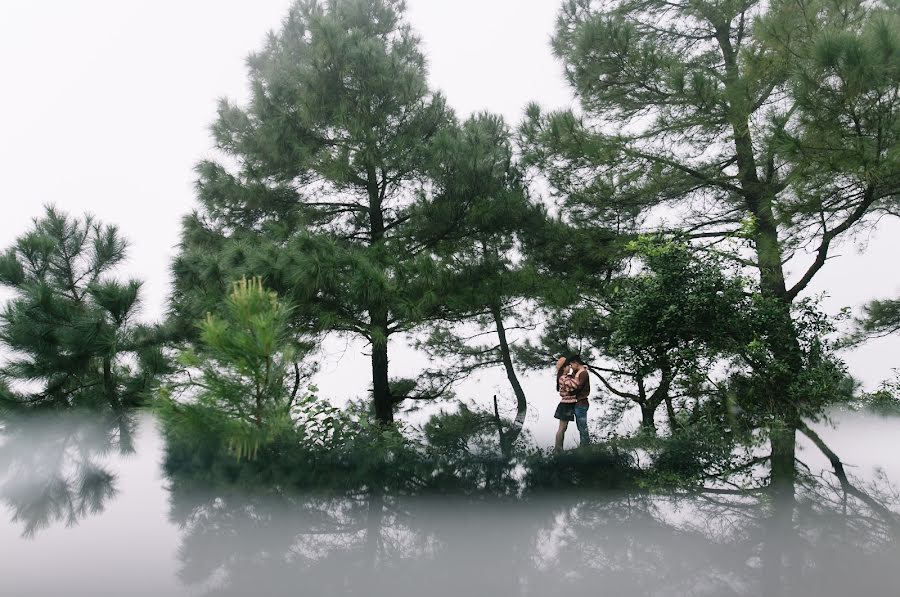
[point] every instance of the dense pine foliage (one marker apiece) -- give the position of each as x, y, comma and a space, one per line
70, 324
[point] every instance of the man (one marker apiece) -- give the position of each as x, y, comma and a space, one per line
574, 386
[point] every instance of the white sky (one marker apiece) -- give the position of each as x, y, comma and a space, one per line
106, 106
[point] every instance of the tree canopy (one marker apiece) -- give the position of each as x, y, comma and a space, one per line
766, 132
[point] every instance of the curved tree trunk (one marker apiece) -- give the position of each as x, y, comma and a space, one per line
521, 403
670, 412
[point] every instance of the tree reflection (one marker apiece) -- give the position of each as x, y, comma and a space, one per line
54, 465
468, 521
625, 543
233, 544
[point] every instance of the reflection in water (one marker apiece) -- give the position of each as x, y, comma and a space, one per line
566, 543
576, 545
274, 540
52, 473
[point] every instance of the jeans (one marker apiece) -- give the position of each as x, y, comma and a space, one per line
581, 423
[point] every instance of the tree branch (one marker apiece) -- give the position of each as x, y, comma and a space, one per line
869, 198
889, 516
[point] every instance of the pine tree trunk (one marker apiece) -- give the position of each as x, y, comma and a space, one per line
381, 391
783, 442
759, 196
109, 386
521, 402
785, 347
378, 314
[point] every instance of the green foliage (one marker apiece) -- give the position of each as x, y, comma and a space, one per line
699, 452
684, 308
764, 130
593, 467
70, 324
881, 318
457, 454
362, 455
470, 432
781, 115
246, 359
820, 379
7, 398
479, 279
251, 341
647, 335
348, 172
885, 400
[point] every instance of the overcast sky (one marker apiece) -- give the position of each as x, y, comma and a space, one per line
106, 106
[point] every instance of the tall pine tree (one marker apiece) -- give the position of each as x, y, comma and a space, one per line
475, 229
321, 177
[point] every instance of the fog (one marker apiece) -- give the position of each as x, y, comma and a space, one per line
89, 512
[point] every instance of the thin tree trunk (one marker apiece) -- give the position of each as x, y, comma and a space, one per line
295, 388
670, 412
521, 402
500, 434
258, 408
109, 385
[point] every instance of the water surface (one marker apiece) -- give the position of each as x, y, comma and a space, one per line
89, 511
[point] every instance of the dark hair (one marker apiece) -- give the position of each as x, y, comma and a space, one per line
559, 371
575, 359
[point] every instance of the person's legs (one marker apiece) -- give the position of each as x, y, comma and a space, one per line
561, 435
581, 423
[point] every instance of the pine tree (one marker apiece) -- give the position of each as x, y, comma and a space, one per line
481, 217
70, 325
766, 128
243, 381
330, 162
882, 318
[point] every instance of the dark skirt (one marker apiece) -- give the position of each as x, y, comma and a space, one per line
565, 411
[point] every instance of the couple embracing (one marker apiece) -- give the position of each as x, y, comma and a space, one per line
573, 384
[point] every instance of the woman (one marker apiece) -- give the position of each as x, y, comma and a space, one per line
574, 385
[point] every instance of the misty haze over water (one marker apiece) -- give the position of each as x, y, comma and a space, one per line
90, 511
